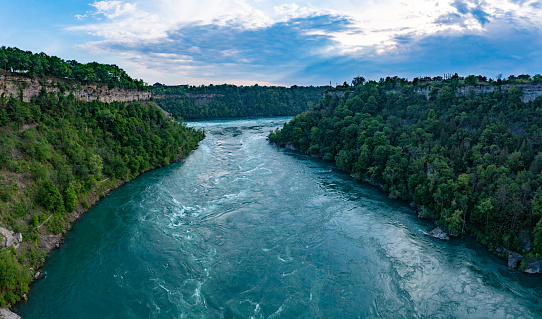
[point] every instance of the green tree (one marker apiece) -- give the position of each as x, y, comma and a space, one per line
50, 198
71, 198
3, 58
471, 80
14, 279
358, 80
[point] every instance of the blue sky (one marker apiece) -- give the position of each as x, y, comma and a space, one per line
283, 42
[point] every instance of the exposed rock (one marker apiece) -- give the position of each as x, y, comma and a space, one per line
7, 314
439, 233
503, 252
14, 84
526, 243
534, 267
514, 259
10, 238
50, 241
37, 275
336, 94
531, 91
290, 147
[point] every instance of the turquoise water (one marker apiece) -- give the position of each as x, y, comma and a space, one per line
243, 229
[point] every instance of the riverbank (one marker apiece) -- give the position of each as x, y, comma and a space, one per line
242, 228
49, 242
514, 259
472, 162
54, 166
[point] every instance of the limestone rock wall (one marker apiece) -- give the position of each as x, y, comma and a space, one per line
530, 90
14, 85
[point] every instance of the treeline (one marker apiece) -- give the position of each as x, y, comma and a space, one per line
223, 101
449, 79
42, 65
471, 162
58, 155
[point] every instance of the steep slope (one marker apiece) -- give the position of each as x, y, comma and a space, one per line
60, 152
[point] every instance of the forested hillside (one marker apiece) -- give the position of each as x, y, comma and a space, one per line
41, 65
223, 101
471, 162
58, 156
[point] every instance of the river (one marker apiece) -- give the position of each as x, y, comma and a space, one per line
243, 229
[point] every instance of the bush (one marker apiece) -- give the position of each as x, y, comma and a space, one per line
14, 279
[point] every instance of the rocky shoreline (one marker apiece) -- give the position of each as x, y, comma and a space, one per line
49, 242
7, 314
514, 259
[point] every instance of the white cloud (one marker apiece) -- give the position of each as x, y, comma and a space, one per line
374, 28
114, 9
378, 22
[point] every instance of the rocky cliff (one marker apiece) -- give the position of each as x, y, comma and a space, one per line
15, 85
530, 90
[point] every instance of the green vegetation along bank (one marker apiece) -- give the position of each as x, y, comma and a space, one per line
58, 156
226, 101
41, 65
472, 162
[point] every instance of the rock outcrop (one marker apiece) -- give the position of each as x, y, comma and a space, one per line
439, 233
15, 85
514, 259
530, 90
50, 241
7, 314
534, 267
10, 238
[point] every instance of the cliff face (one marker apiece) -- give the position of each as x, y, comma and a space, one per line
530, 90
14, 85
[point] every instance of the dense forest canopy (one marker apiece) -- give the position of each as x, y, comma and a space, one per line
471, 161
42, 65
223, 101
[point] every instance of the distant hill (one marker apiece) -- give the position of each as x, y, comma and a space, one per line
225, 101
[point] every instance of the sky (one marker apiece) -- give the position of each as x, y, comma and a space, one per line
245, 42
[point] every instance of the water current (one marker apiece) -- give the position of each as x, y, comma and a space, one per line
243, 229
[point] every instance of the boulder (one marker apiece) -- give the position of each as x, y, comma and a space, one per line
7, 314
514, 259
50, 241
10, 238
534, 267
439, 233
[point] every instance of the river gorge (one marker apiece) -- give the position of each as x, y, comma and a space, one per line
244, 229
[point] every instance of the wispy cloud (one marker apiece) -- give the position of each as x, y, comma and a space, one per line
298, 42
